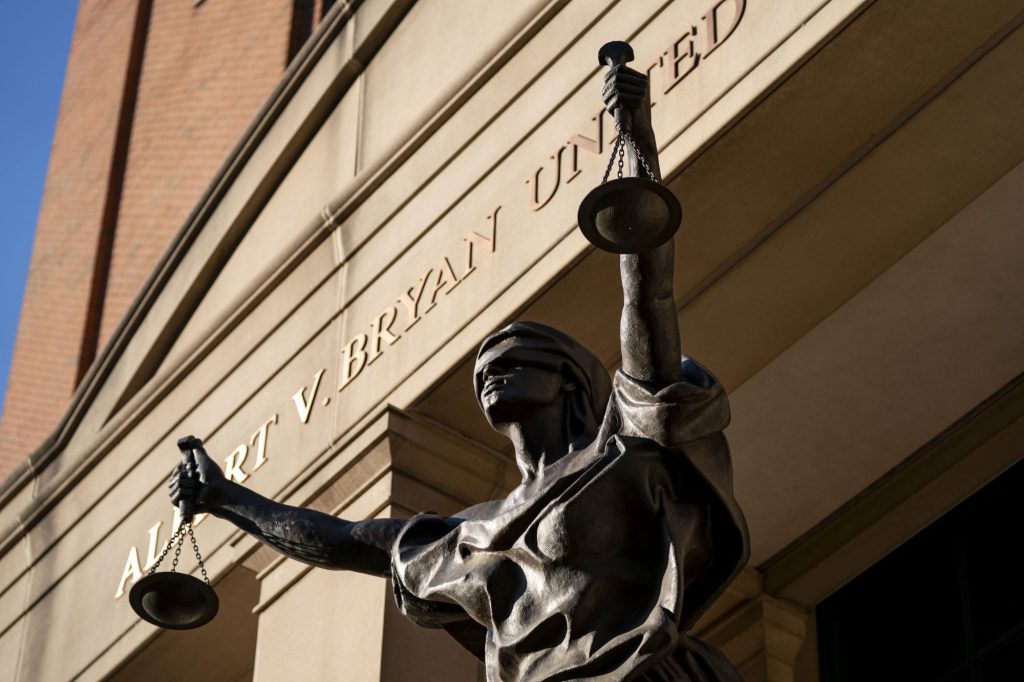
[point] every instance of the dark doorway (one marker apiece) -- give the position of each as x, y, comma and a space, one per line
947, 606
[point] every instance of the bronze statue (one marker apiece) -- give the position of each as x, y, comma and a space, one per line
623, 530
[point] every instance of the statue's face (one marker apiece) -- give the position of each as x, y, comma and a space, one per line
512, 390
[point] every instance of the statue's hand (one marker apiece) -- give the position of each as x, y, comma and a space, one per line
200, 484
624, 87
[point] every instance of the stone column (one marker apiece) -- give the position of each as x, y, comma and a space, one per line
761, 634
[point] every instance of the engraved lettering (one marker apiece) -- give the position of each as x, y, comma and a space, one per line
536, 203
475, 239
353, 359
303, 406
593, 146
131, 571
259, 439
682, 59
152, 553
233, 464
411, 300
445, 279
716, 36
380, 330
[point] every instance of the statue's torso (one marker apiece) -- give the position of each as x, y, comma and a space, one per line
587, 564
593, 571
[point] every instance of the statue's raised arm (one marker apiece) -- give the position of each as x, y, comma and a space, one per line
649, 331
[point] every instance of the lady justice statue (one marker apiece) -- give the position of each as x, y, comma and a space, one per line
623, 530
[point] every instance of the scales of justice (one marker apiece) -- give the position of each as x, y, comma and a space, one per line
624, 529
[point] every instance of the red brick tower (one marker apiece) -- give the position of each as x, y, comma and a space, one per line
155, 95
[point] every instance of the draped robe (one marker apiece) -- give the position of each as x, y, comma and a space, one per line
596, 571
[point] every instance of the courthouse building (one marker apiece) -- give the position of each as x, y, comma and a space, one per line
285, 227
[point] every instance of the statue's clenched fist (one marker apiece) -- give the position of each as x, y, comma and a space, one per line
197, 482
624, 87
629, 89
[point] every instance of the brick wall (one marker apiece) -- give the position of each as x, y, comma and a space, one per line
45, 363
205, 74
138, 138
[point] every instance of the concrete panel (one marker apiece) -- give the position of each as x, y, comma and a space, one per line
853, 226
12, 601
920, 346
425, 61
10, 651
864, 532
17, 558
328, 624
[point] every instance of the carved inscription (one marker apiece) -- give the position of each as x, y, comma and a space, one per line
439, 279
362, 350
414, 302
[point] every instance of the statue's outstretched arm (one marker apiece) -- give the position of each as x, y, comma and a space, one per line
649, 331
303, 534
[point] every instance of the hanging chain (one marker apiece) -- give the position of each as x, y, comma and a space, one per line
611, 160
619, 150
622, 151
639, 156
643, 162
177, 549
199, 557
176, 541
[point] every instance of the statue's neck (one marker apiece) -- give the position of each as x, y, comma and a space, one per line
539, 441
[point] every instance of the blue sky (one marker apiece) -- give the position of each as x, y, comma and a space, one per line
34, 42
